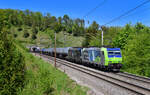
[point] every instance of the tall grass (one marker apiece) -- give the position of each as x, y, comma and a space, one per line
41, 78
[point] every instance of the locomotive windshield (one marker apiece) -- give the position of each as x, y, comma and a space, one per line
97, 53
93, 54
114, 53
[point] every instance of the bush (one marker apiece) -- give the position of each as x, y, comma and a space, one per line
34, 30
26, 35
11, 66
34, 37
20, 29
15, 35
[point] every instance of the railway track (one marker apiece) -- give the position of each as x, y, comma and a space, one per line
136, 84
141, 78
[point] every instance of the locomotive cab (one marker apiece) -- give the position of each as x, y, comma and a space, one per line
112, 58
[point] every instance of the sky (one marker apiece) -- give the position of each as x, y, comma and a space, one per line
105, 12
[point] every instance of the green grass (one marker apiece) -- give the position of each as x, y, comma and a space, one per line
41, 78
70, 40
44, 39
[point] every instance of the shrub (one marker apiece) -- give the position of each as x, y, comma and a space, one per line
20, 29
34, 30
15, 35
26, 35
11, 66
34, 37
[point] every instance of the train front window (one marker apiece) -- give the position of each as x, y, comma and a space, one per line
97, 53
93, 54
114, 53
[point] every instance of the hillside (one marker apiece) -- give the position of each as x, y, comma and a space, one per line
43, 38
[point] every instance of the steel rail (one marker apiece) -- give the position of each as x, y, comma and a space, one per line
136, 77
132, 87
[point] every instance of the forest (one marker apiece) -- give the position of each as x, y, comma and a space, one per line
132, 39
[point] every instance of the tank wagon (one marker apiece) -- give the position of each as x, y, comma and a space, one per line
74, 55
102, 58
60, 52
48, 51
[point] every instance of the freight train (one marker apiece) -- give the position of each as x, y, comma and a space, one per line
101, 58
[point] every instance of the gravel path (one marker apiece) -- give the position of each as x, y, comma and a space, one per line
96, 85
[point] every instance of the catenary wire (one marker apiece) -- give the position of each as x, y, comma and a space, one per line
124, 14
92, 10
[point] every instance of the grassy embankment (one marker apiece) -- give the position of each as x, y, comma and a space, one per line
43, 38
41, 78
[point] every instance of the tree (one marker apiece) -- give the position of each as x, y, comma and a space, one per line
94, 26
137, 54
122, 38
96, 40
34, 30
66, 19
58, 27
91, 32
11, 61
59, 20
78, 27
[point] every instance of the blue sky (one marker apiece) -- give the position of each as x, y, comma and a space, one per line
78, 8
